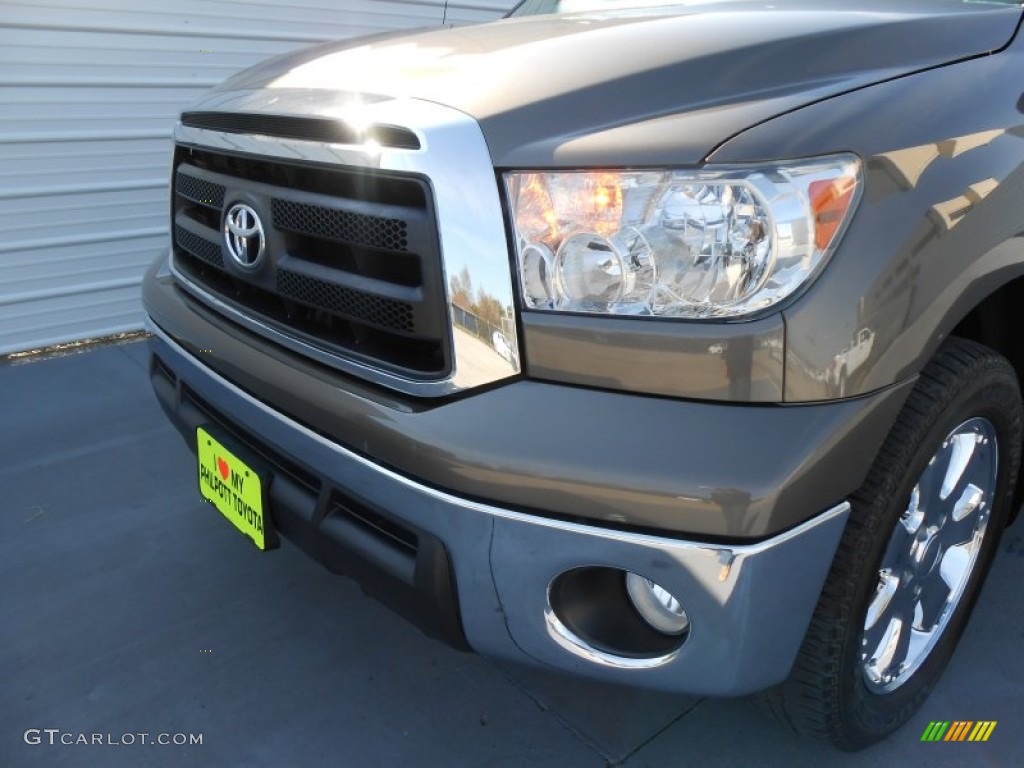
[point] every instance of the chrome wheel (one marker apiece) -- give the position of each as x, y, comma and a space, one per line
924, 528
930, 556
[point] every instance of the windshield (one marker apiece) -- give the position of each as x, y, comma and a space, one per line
539, 7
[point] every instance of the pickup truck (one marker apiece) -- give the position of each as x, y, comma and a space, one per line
536, 329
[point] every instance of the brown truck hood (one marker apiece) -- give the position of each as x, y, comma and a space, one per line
646, 86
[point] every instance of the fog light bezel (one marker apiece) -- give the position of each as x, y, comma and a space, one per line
593, 616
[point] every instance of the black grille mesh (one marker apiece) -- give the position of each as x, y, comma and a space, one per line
199, 190
353, 228
383, 312
199, 247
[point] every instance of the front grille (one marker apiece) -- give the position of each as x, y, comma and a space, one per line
352, 258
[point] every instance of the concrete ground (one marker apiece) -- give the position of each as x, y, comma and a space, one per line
127, 606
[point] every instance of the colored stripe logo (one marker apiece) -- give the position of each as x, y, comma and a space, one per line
959, 730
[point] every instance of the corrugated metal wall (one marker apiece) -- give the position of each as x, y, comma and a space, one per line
89, 90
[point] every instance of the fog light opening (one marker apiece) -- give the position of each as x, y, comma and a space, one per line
594, 605
656, 605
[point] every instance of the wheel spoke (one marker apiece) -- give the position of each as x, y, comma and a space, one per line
912, 517
931, 480
963, 521
888, 584
932, 600
956, 562
895, 559
886, 642
874, 635
891, 601
896, 554
878, 658
969, 502
963, 446
886, 660
899, 655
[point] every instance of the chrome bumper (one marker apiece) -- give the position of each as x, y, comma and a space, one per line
749, 605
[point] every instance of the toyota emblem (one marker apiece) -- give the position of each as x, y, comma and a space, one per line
243, 233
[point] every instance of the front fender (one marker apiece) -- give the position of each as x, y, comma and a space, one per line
938, 228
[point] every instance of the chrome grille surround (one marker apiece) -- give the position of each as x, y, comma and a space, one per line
470, 224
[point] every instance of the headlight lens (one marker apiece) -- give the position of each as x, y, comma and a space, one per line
707, 243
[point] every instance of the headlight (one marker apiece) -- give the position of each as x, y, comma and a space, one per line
706, 243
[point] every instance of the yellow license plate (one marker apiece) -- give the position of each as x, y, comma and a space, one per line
232, 487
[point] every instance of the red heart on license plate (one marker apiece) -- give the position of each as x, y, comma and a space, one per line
223, 468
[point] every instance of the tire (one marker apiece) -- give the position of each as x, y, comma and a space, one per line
901, 549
